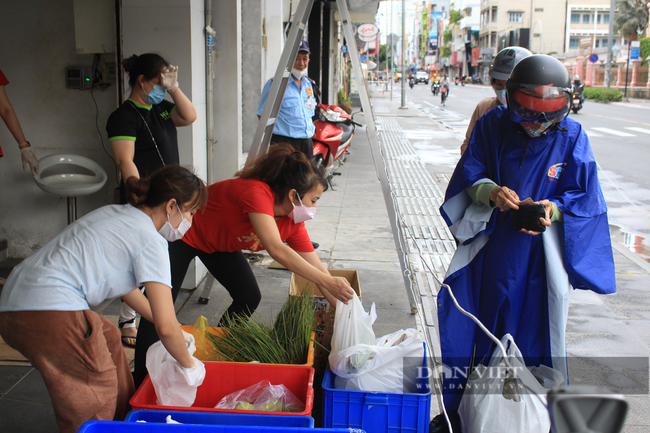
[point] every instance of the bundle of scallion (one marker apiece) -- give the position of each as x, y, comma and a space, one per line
251, 339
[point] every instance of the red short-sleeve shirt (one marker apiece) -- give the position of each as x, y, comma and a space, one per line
224, 224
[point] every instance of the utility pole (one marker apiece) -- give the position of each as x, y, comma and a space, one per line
403, 59
391, 76
608, 65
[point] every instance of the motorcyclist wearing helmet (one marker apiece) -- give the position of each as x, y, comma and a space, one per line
516, 281
576, 85
500, 70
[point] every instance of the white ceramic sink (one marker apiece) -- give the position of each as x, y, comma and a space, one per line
67, 175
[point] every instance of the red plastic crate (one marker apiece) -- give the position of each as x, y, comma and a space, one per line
223, 378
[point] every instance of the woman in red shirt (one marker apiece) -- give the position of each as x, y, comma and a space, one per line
263, 207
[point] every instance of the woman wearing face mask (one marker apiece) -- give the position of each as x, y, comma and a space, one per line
263, 207
45, 304
142, 133
500, 70
294, 123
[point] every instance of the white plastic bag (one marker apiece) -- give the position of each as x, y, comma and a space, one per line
263, 396
174, 384
352, 325
383, 366
495, 401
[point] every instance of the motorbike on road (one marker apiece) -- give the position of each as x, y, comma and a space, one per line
435, 88
577, 98
411, 82
334, 131
456, 81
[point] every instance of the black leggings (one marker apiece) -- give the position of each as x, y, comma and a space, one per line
230, 269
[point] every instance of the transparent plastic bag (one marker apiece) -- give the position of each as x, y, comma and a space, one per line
203, 348
262, 397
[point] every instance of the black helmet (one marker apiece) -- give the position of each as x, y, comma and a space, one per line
506, 60
539, 89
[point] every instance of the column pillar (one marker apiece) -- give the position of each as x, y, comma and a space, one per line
635, 66
227, 88
619, 76
252, 44
648, 83
588, 78
580, 67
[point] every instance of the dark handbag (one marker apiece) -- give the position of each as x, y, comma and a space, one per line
527, 217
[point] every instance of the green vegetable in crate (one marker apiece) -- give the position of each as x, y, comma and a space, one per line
243, 405
263, 396
252, 340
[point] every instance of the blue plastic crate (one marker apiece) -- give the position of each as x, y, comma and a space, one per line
375, 412
138, 427
159, 416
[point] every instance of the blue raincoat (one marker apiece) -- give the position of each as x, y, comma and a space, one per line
514, 282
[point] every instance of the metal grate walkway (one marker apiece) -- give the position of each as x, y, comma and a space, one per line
427, 242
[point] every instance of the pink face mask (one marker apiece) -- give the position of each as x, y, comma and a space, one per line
302, 213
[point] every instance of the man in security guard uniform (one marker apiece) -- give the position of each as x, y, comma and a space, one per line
294, 123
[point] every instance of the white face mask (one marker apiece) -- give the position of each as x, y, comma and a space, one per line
173, 234
298, 74
301, 213
501, 96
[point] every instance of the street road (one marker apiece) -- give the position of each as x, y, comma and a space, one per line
619, 135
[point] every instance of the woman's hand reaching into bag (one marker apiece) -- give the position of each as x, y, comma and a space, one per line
339, 288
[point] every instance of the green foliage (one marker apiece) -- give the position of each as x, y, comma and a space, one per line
454, 17
631, 18
382, 53
447, 36
644, 52
344, 101
446, 51
602, 94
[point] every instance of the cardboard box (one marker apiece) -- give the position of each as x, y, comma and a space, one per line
323, 312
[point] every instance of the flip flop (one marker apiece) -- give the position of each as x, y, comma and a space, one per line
129, 338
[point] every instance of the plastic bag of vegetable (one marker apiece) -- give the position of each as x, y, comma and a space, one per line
383, 368
352, 326
174, 384
263, 396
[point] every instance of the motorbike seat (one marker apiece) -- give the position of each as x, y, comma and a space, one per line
348, 130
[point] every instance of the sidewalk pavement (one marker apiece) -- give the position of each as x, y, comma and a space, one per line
353, 230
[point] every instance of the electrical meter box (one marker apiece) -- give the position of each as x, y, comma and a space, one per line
77, 77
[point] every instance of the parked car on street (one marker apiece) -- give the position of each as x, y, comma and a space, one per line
421, 77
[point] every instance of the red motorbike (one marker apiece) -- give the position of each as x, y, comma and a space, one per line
334, 131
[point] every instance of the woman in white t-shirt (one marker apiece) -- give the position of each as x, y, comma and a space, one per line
45, 303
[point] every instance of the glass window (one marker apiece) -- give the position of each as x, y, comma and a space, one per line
604, 43
597, 43
494, 14
515, 17
574, 43
606, 18
585, 19
599, 17
575, 18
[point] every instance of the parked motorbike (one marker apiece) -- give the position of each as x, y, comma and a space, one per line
411, 82
456, 81
435, 88
443, 94
334, 131
576, 102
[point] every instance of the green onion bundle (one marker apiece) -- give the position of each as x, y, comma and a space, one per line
251, 339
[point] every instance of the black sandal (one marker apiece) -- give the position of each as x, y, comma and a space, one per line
121, 325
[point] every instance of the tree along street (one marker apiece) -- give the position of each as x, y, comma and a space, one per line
619, 134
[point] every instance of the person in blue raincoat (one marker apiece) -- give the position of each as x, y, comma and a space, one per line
518, 282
